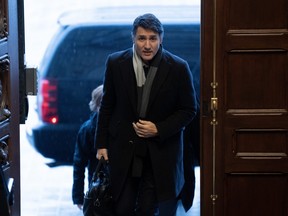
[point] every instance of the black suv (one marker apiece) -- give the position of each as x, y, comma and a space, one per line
74, 65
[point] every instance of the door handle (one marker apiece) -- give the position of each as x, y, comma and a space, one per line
214, 104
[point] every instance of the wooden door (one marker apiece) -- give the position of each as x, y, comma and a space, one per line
244, 101
11, 101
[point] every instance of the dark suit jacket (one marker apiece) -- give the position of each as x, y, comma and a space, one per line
171, 107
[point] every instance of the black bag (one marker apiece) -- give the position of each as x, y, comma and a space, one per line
98, 199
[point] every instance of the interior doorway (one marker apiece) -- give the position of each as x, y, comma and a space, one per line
57, 196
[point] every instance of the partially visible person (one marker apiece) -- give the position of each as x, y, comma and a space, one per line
148, 99
84, 155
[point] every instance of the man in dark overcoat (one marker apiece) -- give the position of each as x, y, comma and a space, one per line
148, 99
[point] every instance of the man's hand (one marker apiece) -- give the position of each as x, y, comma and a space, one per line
102, 152
80, 206
145, 129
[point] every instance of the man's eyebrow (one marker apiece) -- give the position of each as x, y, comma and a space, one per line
147, 36
155, 35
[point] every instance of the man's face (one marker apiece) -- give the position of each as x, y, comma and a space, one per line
146, 43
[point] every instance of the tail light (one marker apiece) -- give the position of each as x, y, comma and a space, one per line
48, 101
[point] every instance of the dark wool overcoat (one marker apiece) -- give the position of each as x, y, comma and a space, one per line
171, 106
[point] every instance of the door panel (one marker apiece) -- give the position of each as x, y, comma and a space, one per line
256, 14
258, 80
244, 66
256, 150
242, 194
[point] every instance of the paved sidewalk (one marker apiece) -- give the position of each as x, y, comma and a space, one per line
45, 191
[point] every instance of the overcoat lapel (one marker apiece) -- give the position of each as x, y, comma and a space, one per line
161, 75
129, 79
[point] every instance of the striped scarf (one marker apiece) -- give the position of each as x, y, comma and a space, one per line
144, 84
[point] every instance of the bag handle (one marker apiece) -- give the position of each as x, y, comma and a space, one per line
102, 162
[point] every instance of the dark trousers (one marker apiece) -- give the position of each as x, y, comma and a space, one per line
139, 198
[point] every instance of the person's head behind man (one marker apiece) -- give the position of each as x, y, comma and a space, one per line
147, 36
96, 97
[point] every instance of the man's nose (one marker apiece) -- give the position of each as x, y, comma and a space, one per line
147, 44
